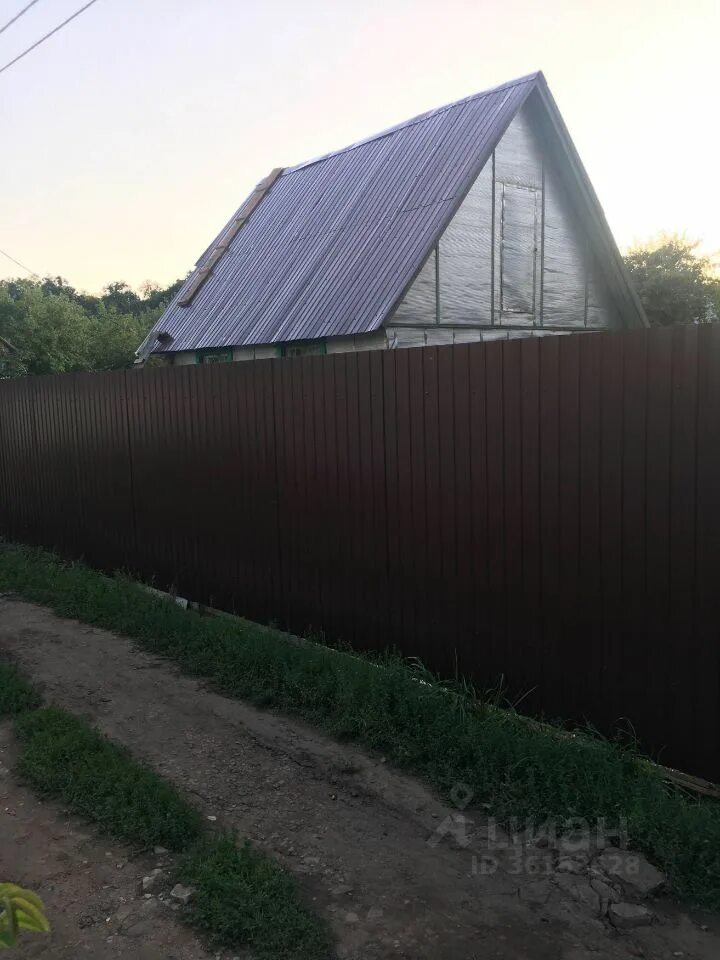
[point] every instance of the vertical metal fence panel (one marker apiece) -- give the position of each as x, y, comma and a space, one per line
259, 493
609, 607
315, 472
660, 642
683, 479
589, 623
530, 500
448, 601
402, 568
702, 667
480, 559
45, 414
66, 462
103, 468
340, 561
378, 594
367, 595
7, 464
548, 416
415, 552
458, 502
18, 435
11, 473
435, 625
354, 570
391, 458
634, 657
493, 634
516, 610
29, 475
326, 453
539, 513
569, 524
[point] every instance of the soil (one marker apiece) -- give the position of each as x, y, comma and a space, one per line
374, 850
90, 887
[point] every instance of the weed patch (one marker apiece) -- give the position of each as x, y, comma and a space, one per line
242, 897
519, 769
65, 758
16, 694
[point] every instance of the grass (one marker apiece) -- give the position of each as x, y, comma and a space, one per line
517, 768
16, 694
67, 759
242, 899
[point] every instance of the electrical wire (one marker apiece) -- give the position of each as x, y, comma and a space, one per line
17, 262
20, 57
47, 36
18, 15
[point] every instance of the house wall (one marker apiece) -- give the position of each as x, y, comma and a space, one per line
361, 341
437, 335
180, 359
514, 261
185, 357
364, 341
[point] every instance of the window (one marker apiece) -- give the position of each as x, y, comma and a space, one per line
213, 356
307, 348
518, 251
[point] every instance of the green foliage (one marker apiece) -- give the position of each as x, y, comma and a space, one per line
242, 897
20, 910
46, 326
447, 735
65, 758
673, 283
16, 694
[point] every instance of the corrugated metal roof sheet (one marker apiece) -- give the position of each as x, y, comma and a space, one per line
336, 241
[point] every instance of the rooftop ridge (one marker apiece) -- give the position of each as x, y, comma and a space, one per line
388, 131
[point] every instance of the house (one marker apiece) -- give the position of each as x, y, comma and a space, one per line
475, 221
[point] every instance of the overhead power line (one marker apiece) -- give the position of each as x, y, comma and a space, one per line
18, 15
17, 262
47, 36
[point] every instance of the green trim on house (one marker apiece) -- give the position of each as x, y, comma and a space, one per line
305, 348
222, 355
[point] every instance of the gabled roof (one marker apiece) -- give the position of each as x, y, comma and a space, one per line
330, 246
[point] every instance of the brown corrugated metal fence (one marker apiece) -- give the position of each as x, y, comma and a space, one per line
545, 510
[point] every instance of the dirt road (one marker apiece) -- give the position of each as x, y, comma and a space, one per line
364, 840
89, 886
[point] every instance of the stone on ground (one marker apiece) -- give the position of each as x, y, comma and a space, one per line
182, 894
638, 878
625, 916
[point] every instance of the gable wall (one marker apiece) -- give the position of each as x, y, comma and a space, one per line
514, 257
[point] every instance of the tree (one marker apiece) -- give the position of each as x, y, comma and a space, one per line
122, 297
154, 296
48, 331
114, 336
674, 284
47, 326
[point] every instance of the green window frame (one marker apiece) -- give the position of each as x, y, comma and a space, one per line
214, 356
303, 348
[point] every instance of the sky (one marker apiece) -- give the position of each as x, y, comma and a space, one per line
128, 140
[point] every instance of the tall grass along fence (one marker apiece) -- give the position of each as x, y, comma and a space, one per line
543, 513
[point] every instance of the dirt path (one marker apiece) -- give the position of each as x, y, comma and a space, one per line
90, 887
355, 832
